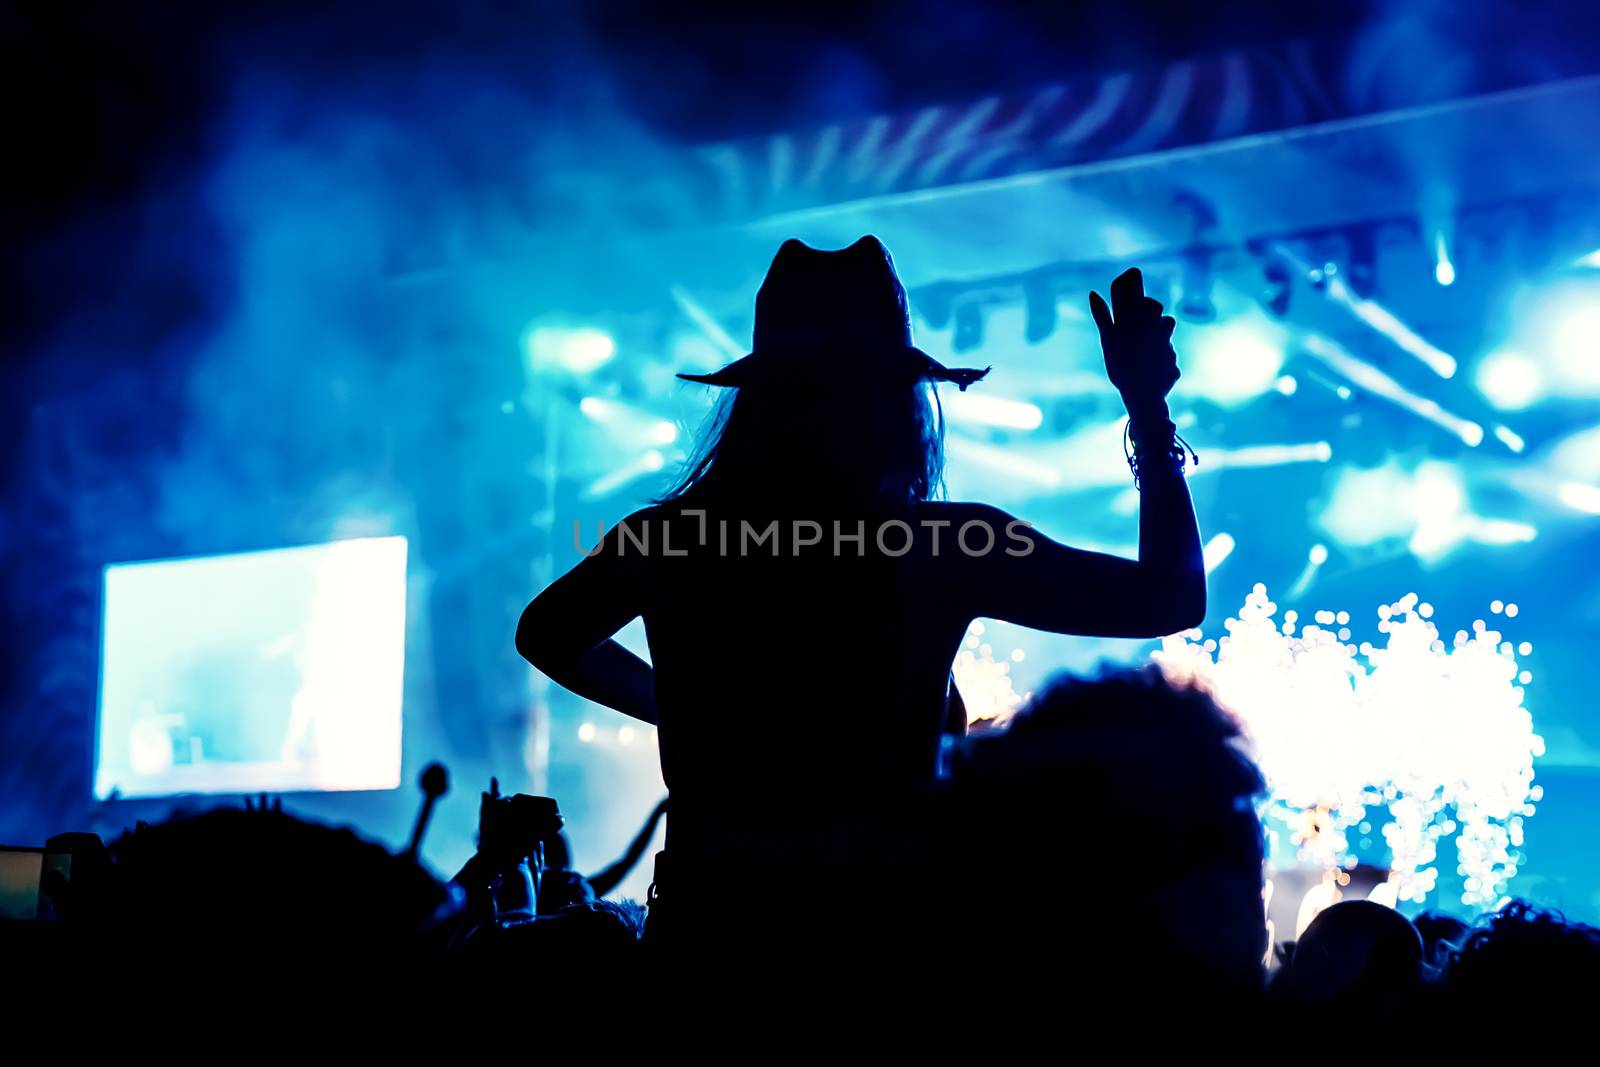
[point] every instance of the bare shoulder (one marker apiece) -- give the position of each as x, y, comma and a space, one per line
959, 512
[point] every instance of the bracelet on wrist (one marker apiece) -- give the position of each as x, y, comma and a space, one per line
1156, 447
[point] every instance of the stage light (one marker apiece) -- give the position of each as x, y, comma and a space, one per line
1580, 497
1233, 362
969, 328
1437, 492
1327, 280
1590, 260
648, 463
1444, 271
984, 410
1384, 321
627, 424
1509, 438
586, 732
1501, 532
1426, 505
1575, 344
1314, 561
576, 351
1378, 383
1219, 548
1008, 462
1218, 459
707, 324
1509, 380
1286, 385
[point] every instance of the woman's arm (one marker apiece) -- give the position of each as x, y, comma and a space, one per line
1040, 583
566, 631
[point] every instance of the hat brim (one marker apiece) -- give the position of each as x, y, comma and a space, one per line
916, 365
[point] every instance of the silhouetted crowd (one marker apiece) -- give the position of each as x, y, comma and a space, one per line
1101, 853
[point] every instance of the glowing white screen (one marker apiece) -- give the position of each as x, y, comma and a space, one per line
274, 671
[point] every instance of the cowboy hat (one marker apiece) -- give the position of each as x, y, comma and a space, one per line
815, 301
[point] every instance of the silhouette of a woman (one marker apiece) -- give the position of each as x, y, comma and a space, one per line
803, 592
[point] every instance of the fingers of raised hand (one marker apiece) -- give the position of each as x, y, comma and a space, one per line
1126, 292
1102, 316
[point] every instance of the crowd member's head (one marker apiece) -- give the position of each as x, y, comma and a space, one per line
1357, 954
260, 889
1524, 954
1440, 934
1112, 828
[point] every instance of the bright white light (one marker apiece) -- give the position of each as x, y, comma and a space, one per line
1385, 322
1318, 555
1286, 385
1437, 736
586, 732
626, 424
1501, 532
1444, 271
1266, 456
1509, 380
1216, 550
1010, 464
1427, 506
1575, 344
1510, 438
1378, 383
985, 410
984, 682
1438, 494
578, 351
647, 463
1233, 361
1580, 497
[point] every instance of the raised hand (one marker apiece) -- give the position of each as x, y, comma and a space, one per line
1136, 339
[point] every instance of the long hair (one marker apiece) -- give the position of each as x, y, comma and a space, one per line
816, 438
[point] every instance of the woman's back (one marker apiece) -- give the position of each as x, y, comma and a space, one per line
801, 677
